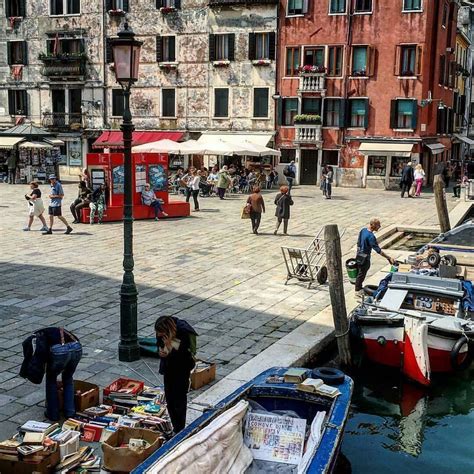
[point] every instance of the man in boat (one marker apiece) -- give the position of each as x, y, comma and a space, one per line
176, 341
365, 244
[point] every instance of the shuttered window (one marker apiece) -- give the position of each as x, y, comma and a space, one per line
118, 103
292, 61
333, 112
403, 114
359, 113
260, 102
222, 47
17, 102
17, 52
262, 46
221, 102
165, 48
168, 103
15, 8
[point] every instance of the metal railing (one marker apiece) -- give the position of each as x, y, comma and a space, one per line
62, 121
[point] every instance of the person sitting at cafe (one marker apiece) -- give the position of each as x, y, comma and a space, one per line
149, 199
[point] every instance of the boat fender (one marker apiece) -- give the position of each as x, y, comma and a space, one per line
329, 375
455, 354
434, 259
382, 341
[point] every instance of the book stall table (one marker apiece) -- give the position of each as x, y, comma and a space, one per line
130, 424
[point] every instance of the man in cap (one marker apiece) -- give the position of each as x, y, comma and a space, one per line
56, 198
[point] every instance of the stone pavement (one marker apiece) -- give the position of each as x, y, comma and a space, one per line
209, 269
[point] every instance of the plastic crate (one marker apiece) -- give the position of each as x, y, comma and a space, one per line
123, 382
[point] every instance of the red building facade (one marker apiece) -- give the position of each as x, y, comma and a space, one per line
380, 75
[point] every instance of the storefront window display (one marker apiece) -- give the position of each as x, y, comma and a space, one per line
377, 166
398, 163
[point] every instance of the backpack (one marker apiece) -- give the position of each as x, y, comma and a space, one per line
286, 170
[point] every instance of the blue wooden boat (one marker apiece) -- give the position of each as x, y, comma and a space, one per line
278, 396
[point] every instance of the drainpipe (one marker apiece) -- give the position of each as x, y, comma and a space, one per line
277, 69
104, 60
347, 46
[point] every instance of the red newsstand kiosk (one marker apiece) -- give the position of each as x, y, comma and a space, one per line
146, 168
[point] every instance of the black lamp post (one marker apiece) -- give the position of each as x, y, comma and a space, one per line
126, 52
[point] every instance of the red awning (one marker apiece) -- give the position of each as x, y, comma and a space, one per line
113, 138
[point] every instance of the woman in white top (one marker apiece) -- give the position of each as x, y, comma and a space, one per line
193, 188
419, 178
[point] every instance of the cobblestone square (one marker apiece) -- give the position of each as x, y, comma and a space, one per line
208, 269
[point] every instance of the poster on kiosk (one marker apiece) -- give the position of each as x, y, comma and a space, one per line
150, 168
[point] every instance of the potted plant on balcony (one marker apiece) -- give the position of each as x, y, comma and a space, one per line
15, 21
221, 63
167, 66
261, 62
166, 10
359, 73
307, 119
118, 12
309, 69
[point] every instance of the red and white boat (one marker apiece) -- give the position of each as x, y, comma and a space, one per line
419, 325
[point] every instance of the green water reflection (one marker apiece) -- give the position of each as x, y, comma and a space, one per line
396, 427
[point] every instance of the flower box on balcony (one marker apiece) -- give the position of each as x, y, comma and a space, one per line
15, 21
361, 73
116, 12
312, 70
62, 57
261, 62
166, 10
307, 119
168, 65
222, 63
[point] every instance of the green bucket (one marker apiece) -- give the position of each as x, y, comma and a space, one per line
352, 269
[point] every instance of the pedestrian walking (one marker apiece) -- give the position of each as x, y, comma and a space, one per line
11, 165
407, 179
54, 351
223, 181
283, 201
54, 210
419, 176
290, 173
35, 207
365, 244
83, 200
192, 188
176, 341
98, 204
257, 206
328, 174
149, 199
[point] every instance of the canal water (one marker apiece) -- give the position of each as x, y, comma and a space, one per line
398, 427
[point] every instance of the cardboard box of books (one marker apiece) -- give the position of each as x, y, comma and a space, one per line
203, 373
86, 395
128, 447
39, 462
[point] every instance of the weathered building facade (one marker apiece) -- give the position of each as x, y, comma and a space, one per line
203, 67
380, 75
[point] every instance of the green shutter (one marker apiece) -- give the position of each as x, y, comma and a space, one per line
9, 53
159, 54
126, 5
231, 39
366, 116
343, 112
212, 47
252, 46
279, 111
393, 113
11, 102
414, 115
272, 46
25, 52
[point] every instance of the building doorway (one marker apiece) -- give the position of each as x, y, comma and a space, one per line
309, 166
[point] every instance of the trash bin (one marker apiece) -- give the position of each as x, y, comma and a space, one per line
352, 269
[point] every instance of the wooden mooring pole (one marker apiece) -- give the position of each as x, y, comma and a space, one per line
441, 207
336, 292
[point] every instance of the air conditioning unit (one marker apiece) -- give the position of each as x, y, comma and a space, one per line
450, 50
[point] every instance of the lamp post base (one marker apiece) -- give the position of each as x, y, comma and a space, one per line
128, 352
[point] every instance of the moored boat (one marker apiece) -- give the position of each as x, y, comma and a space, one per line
214, 443
421, 325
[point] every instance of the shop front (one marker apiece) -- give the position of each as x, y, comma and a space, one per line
384, 163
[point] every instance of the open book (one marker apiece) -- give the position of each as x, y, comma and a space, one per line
319, 387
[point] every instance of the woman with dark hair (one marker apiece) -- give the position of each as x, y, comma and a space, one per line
176, 341
35, 207
283, 202
257, 206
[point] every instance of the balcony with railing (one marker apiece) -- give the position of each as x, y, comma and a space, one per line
308, 129
63, 66
312, 82
62, 122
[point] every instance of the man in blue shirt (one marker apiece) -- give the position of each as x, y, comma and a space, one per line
365, 244
56, 198
290, 174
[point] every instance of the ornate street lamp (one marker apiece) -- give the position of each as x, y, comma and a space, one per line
126, 52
